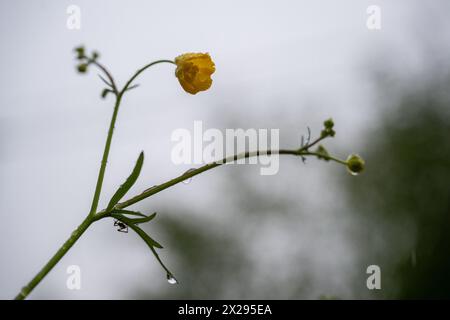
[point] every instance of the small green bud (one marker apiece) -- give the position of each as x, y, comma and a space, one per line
331, 132
82, 68
328, 130
328, 124
80, 52
105, 92
95, 55
328, 133
323, 153
355, 164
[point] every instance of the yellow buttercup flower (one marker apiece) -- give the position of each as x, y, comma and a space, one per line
194, 71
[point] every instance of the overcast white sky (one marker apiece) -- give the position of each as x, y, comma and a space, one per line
280, 64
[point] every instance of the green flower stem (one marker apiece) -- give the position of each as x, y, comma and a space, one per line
127, 85
106, 72
56, 257
326, 157
101, 173
147, 193
303, 151
87, 221
119, 95
91, 216
158, 188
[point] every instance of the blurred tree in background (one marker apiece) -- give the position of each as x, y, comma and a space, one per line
403, 202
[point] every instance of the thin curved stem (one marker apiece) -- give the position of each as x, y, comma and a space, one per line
87, 221
308, 146
191, 173
25, 291
142, 70
91, 217
101, 173
326, 157
303, 151
107, 73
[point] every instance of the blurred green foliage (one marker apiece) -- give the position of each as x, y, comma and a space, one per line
399, 208
403, 200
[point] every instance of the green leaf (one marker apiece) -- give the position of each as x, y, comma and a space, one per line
129, 222
148, 240
132, 87
105, 93
169, 273
143, 220
129, 212
121, 214
105, 81
123, 189
152, 244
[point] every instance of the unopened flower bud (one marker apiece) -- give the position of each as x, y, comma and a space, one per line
82, 68
328, 124
80, 52
322, 153
105, 93
328, 130
355, 164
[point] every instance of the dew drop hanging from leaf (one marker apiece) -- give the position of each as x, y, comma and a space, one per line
171, 279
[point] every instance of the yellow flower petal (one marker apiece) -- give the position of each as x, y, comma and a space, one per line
194, 71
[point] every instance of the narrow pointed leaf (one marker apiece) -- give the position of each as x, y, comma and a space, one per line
143, 220
129, 222
105, 81
129, 212
132, 87
123, 189
150, 242
105, 93
169, 273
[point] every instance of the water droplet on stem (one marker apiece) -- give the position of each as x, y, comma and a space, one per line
171, 279
187, 181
